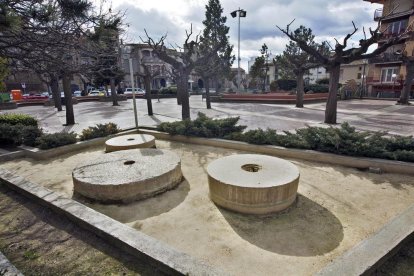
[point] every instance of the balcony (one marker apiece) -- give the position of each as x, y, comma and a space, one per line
385, 58
377, 14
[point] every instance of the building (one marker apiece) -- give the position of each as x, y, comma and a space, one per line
355, 70
315, 74
387, 72
143, 54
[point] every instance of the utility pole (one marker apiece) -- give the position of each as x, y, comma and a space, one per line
240, 13
131, 71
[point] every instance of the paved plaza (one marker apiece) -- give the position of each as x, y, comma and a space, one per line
375, 115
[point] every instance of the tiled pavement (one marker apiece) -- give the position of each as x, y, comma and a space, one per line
363, 114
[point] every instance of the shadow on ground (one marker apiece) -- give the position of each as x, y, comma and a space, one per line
140, 210
305, 229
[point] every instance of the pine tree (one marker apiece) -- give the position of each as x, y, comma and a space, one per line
215, 39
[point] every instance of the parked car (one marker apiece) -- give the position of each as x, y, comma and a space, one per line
34, 97
77, 93
96, 93
138, 91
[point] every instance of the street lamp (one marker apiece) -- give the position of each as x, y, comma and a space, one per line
394, 77
241, 13
128, 51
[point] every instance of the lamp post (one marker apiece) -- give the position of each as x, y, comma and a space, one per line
394, 77
240, 13
131, 72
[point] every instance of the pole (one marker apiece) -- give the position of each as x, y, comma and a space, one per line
238, 58
133, 93
363, 82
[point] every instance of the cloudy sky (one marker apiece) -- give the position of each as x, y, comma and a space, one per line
327, 18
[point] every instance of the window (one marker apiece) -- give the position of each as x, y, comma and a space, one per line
360, 68
359, 76
386, 74
397, 27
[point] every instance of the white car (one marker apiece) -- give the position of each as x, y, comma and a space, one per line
77, 93
138, 91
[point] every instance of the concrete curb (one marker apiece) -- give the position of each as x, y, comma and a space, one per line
7, 268
371, 253
148, 249
388, 166
11, 156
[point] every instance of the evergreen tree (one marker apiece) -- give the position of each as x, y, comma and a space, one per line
295, 60
260, 66
215, 40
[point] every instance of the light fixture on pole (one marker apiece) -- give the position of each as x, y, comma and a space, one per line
241, 13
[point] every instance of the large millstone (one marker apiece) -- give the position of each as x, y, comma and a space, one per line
124, 176
131, 141
252, 183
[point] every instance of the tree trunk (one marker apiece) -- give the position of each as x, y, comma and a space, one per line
331, 104
183, 96
54, 86
70, 117
147, 85
405, 92
207, 86
300, 89
113, 92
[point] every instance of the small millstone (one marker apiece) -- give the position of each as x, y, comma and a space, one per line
252, 183
128, 175
131, 141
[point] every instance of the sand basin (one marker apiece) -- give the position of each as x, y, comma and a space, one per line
336, 208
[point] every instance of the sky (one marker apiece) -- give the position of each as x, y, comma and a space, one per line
328, 19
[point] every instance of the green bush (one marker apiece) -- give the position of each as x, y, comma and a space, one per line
273, 86
286, 85
203, 127
317, 88
48, 141
171, 90
17, 119
100, 130
29, 134
10, 134
15, 135
323, 81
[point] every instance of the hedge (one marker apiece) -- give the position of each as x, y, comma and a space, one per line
344, 140
48, 141
17, 119
100, 130
15, 135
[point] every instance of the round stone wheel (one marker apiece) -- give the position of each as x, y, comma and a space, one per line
252, 183
131, 141
128, 175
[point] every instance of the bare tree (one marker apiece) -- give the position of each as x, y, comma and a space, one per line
183, 60
342, 54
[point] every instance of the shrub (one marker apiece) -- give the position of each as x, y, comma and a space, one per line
15, 135
17, 119
100, 130
273, 86
203, 127
171, 90
48, 141
10, 134
286, 84
29, 134
323, 81
317, 88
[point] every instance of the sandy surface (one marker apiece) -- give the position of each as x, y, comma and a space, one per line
337, 208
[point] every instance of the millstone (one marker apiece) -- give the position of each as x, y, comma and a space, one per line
131, 141
252, 183
128, 175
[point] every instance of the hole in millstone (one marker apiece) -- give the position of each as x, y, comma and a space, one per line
130, 139
251, 167
129, 162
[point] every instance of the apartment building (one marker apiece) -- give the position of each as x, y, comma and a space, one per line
142, 54
387, 72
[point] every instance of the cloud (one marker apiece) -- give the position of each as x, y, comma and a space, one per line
328, 19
